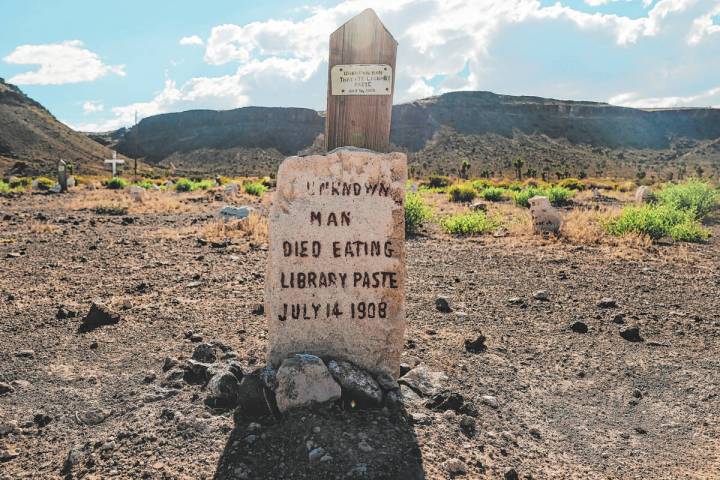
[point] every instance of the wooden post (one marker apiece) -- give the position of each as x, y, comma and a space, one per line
361, 81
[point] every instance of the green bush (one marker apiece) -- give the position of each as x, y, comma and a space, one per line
439, 181
185, 185
146, 184
116, 183
4, 188
481, 185
657, 221
558, 196
572, 184
416, 213
471, 223
493, 194
20, 182
44, 183
461, 193
516, 186
255, 188
694, 196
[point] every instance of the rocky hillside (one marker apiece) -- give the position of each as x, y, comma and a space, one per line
555, 137
31, 135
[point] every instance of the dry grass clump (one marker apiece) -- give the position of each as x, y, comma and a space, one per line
153, 202
254, 228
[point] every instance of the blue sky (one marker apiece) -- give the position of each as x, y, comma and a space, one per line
95, 64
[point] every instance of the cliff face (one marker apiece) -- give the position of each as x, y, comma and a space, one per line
289, 130
284, 129
596, 124
29, 133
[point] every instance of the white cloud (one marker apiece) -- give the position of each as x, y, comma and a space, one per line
704, 26
443, 45
192, 40
60, 63
708, 98
92, 106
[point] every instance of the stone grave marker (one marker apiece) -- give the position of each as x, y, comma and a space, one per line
335, 283
545, 218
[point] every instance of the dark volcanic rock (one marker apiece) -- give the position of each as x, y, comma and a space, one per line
356, 383
579, 327
607, 303
251, 397
98, 316
631, 334
223, 389
204, 353
477, 345
442, 305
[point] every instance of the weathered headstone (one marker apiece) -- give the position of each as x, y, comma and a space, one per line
544, 217
361, 79
644, 194
336, 275
62, 175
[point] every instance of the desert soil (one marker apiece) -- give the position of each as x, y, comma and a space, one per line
566, 404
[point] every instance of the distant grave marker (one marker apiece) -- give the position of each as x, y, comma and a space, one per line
114, 161
62, 175
335, 284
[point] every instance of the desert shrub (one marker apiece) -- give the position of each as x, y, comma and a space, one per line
480, 185
269, 182
255, 188
146, 184
493, 194
111, 209
462, 193
184, 185
657, 221
204, 184
416, 213
693, 196
626, 186
116, 183
471, 223
44, 183
522, 197
572, 184
19, 182
559, 196
516, 186
439, 181
4, 188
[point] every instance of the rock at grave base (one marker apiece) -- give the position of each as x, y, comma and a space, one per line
545, 218
98, 316
356, 383
235, 213
644, 195
304, 380
631, 334
223, 390
204, 353
251, 397
424, 381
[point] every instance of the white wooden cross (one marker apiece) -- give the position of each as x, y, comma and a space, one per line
114, 162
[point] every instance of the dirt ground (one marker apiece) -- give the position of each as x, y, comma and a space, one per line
551, 402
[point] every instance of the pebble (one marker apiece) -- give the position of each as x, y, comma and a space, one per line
607, 302
490, 401
442, 305
477, 345
579, 327
316, 454
541, 295
6, 388
365, 447
511, 475
631, 334
25, 353
455, 466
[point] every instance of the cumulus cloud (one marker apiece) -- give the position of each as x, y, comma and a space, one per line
709, 98
192, 40
703, 26
443, 45
60, 63
92, 106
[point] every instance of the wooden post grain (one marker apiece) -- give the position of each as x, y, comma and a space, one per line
360, 120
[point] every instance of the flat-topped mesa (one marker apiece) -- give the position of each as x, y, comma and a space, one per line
336, 266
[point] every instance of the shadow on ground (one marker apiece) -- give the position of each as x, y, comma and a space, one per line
369, 444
